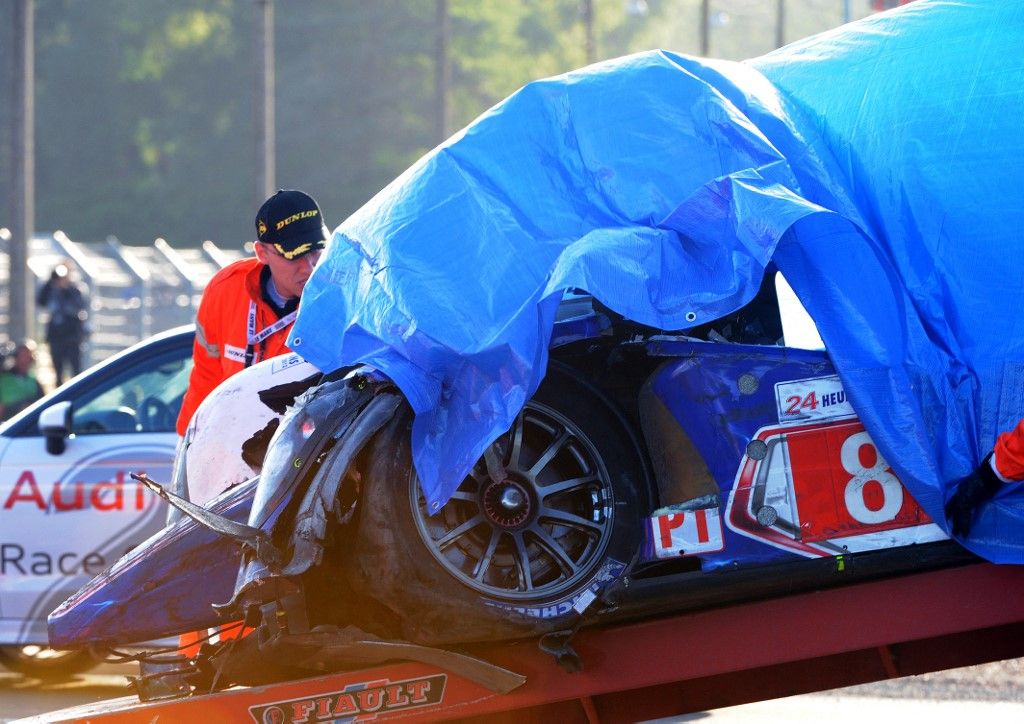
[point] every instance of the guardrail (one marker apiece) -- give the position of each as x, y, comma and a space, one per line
134, 291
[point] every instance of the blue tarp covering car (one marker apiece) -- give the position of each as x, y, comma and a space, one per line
876, 165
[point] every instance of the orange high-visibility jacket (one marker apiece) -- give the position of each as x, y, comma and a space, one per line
1009, 454
222, 332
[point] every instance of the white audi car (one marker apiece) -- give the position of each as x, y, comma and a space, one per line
68, 506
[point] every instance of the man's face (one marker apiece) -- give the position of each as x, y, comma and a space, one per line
289, 275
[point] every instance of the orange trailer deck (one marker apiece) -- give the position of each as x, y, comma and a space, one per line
667, 666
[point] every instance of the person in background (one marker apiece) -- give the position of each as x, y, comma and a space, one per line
248, 307
1001, 467
19, 387
67, 304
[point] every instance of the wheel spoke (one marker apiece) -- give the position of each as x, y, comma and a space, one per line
464, 495
573, 521
459, 531
523, 562
516, 448
567, 564
478, 476
549, 454
495, 470
485, 560
565, 485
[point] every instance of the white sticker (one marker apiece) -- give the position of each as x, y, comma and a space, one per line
818, 398
235, 354
285, 362
585, 599
687, 532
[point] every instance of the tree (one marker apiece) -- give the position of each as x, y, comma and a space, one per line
142, 131
144, 108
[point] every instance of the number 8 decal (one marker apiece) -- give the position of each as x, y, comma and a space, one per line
892, 488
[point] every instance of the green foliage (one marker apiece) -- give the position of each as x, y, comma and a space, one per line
140, 129
145, 108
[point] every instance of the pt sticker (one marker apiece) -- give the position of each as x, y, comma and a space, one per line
687, 533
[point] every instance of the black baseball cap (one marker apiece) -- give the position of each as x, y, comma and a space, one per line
291, 222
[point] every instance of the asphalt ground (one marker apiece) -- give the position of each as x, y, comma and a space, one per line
988, 693
22, 697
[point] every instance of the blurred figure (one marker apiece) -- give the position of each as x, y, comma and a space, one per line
67, 302
18, 384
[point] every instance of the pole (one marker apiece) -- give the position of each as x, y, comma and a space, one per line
264, 101
780, 23
22, 308
587, 10
705, 28
442, 72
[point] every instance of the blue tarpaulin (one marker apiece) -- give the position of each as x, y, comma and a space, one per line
875, 164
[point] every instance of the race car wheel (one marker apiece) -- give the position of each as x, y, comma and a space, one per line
554, 508
40, 662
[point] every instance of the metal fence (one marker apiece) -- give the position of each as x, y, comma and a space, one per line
134, 291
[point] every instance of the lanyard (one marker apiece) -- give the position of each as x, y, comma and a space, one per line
254, 338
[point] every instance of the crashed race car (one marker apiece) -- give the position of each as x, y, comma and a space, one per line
466, 454
651, 472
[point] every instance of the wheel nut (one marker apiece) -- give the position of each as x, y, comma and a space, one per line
511, 498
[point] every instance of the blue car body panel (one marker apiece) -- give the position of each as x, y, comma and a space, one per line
164, 586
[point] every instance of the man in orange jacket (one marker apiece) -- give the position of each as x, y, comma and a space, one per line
248, 307
1004, 465
246, 312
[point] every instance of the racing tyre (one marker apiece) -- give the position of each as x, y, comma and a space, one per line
40, 662
551, 515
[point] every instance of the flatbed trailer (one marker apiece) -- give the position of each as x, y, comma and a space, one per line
671, 665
